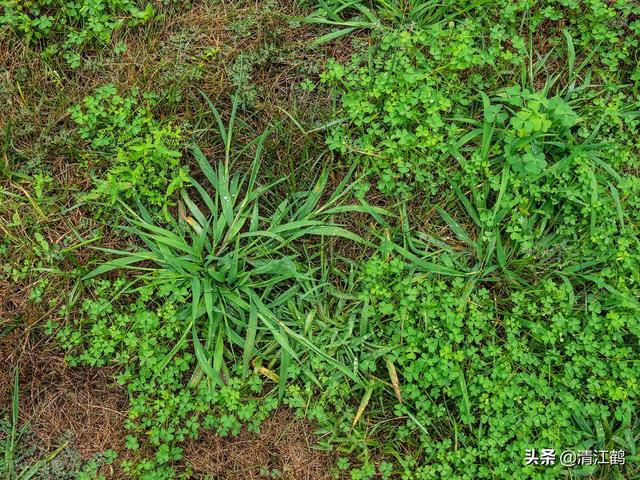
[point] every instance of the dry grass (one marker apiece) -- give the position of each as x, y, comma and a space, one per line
173, 54
56, 400
284, 443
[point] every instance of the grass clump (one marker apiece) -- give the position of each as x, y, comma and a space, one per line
221, 291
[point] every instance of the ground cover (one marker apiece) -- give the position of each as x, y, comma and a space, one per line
333, 239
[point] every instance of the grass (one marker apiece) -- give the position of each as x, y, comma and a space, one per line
412, 225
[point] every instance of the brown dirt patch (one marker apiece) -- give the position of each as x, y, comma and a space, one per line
57, 400
284, 443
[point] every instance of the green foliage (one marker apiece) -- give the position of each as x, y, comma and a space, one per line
238, 262
396, 107
399, 98
106, 117
571, 206
483, 379
607, 31
533, 186
28, 253
70, 28
143, 153
538, 123
499, 312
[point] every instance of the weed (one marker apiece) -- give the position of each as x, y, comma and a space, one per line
225, 272
146, 163
396, 108
69, 30
489, 309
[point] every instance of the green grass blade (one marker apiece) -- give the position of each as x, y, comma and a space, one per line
285, 362
229, 138
616, 199
205, 166
218, 354
120, 263
328, 37
424, 265
332, 231
456, 228
252, 328
196, 288
226, 200
216, 114
571, 55
203, 360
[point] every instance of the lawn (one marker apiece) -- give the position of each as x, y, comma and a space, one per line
319, 239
